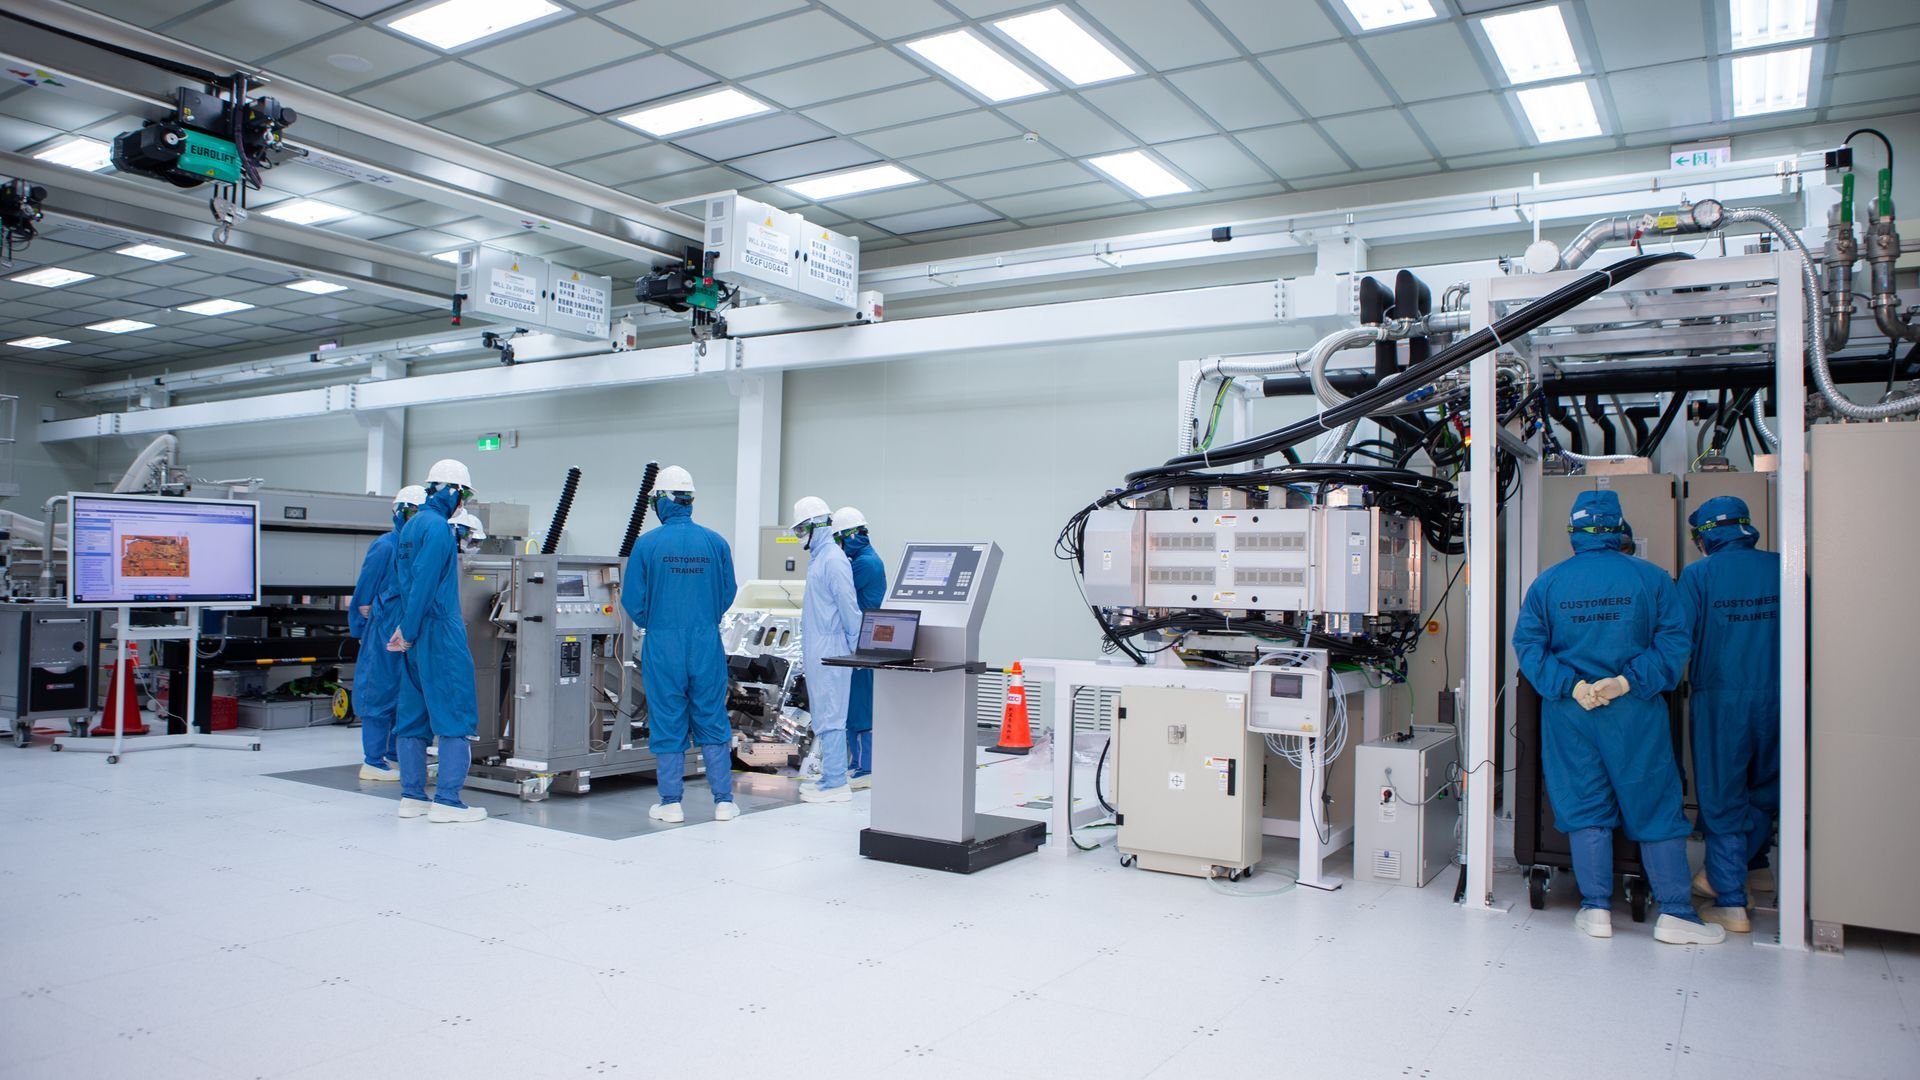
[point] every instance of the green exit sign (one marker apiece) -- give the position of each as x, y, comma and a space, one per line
488, 442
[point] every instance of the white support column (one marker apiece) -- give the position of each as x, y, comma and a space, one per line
756, 497
1483, 525
1790, 536
386, 437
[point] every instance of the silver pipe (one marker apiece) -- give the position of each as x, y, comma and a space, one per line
1883, 250
1703, 216
1596, 234
1842, 252
1767, 436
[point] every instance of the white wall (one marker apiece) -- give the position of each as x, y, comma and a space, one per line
48, 469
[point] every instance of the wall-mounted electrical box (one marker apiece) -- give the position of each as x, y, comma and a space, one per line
767, 250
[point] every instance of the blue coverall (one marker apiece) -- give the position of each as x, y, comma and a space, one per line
870, 587
1733, 602
437, 694
829, 627
1599, 614
376, 672
679, 583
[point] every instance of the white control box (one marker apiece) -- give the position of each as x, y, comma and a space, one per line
1290, 700
1406, 805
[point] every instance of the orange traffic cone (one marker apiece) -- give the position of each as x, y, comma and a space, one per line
1015, 738
123, 693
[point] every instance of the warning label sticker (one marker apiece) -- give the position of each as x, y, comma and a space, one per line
580, 300
765, 250
514, 292
832, 267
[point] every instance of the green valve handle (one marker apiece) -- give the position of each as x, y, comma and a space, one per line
1886, 193
1846, 199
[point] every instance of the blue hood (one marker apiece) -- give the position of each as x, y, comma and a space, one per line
400, 518
1723, 522
446, 501
855, 544
672, 510
1597, 510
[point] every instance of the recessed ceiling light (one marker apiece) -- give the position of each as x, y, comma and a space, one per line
1140, 174
1771, 82
306, 211
317, 288
1376, 14
449, 256
1562, 111
1771, 22
215, 307
1065, 46
38, 342
51, 277
1532, 45
702, 110
961, 54
453, 23
821, 188
120, 326
150, 252
77, 152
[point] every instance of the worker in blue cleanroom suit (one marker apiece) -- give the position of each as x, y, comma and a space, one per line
870, 588
467, 531
437, 695
371, 617
1601, 635
1733, 603
829, 627
679, 583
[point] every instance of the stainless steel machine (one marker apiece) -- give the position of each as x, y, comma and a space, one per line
48, 655
1403, 829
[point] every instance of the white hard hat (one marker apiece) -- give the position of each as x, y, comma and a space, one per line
411, 495
449, 471
810, 508
848, 517
674, 478
466, 518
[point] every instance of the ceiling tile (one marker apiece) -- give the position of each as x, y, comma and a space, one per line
1878, 50
1865, 15
251, 29
1059, 199
297, 179
575, 142
165, 298
559, 50
366, 227
66, 317
1016, 181
312, 324
982, 8
1425, 62
893, 18
367, 198
927, 220
1214, 162
778, 44
889, 108
1292, 151
446, 85
640, 163
1005, 154
951, 132
162, 274
1671, 95
424, 214
1365, 176
424, 241
1148, 109
1620, 32
1376, 139
80, 238
1167, 34
1473, 125
48, 106
645, 79
148, 12
1870, 86
805, 159
1069, 125
687, 184
1265, 25
843, 76
476, 228
215, 341
1327, 80
17, 134
507, 118
264, 275
360, 9
753, 136
900, 200
667, 22
1236, 95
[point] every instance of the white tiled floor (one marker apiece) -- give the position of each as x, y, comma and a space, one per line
181, 914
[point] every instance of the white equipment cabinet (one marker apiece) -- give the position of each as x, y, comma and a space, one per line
1188, 781
1403, 829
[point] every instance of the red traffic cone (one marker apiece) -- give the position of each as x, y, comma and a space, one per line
1015, 738
123, 693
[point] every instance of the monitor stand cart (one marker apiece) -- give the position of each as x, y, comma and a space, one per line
189, 633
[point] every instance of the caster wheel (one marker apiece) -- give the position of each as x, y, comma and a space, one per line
1537, 879
56, 748
22, 736
1128, 860
1638, 893
113, 759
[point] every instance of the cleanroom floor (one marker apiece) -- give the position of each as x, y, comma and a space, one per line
187, 914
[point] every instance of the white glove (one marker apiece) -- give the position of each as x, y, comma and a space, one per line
1587, 695
1608, 689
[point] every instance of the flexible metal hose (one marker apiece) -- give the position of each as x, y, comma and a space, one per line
1760, 423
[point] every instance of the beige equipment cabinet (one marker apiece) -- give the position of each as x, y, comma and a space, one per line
1647, 499
1187, 781
1754, 488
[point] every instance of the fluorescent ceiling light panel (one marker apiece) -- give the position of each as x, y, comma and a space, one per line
1378, 14
962, 55
703, 110
77, 152
449, 256
1065, 46
1771, 82
317, 288
1771, 22
1140, 174
821, 188
306, 211
453, 23
120, 326
38, 342
1532, 45
50, 277
215, 307
1559, 112
150, 252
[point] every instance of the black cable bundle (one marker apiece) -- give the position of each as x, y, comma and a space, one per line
639, 515
560, 513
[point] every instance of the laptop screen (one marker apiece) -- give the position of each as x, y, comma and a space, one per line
888, 631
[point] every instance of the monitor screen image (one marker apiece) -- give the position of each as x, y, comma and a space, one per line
144, 550
929, 567
888, 631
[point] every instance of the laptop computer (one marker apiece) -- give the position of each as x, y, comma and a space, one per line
887, 636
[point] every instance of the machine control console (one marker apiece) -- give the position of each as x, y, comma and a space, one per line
937, 573
1289, 693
